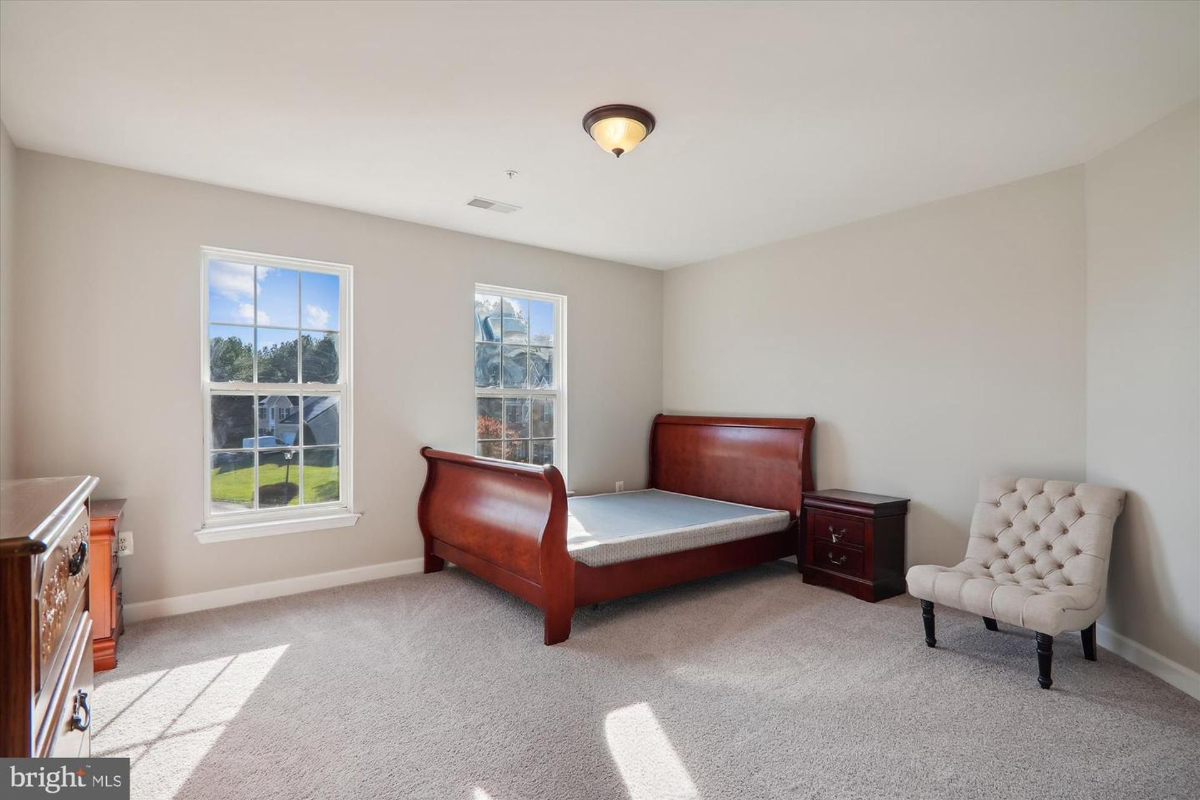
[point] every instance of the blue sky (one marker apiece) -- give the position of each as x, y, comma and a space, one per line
319, 298
231, 292
541, 323
278, 297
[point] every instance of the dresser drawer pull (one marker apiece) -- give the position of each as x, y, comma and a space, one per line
75, 564
838, 561
837, 537
81, 704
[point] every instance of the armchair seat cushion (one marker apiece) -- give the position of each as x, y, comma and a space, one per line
1028, 603
1037, 555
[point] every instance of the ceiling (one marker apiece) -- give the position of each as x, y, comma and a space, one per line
774, 120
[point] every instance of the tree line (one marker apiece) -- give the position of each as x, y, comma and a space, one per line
232, 359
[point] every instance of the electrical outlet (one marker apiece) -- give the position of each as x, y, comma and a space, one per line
620, 486
124, 543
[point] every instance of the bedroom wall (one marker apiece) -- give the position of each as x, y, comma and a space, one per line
8, 182
111, 384
1143, 377
934, 346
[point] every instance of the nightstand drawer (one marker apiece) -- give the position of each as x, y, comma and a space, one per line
854, 542
837, 529
837, 558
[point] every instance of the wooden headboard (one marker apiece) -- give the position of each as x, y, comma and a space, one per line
759, 462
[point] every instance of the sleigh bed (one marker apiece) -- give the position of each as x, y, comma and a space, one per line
724, 494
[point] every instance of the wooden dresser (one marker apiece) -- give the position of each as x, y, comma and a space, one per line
45, 626
855, 542
108, 621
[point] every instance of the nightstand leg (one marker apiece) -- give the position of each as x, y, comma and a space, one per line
927, 615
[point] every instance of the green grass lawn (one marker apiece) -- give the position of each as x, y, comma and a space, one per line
236, 486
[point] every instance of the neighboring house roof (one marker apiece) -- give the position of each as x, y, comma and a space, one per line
314, 406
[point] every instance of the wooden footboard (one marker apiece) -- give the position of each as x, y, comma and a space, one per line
505, 522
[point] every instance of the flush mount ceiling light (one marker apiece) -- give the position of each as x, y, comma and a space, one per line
618, 128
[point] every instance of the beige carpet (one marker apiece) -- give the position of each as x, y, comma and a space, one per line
752, 685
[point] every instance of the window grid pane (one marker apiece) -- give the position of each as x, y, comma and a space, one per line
516, 377
489, 418
232, 481
321, 475
278, 478
516, 427
238, 472
230, 353
320, 301
262, 322
487, 319
514, 322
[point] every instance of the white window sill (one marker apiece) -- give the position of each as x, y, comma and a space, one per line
275, 527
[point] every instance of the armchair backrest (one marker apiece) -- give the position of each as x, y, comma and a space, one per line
1057, 532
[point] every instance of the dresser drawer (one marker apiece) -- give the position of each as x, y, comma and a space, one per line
66, 728
61, 586
836, 558
836, 529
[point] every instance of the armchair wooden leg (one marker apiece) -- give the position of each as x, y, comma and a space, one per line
990, 624
1045, 654
927, 615
1089, 642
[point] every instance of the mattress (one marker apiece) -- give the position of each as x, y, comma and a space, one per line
608, 529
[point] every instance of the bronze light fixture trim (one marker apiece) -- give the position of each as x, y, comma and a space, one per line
618, 128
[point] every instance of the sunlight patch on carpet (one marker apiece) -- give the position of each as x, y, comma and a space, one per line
645, 756
165, 722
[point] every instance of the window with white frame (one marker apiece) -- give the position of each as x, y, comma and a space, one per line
520, 372
276, 383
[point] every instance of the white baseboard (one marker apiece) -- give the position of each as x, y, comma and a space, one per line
1174, 673
184, 604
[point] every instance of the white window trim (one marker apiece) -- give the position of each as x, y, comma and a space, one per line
560, 369
258, 522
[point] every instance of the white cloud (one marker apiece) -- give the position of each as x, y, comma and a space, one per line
236, 282
232, 281
315, 317
245, 313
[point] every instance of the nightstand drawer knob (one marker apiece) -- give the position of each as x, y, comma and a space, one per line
838, 561
837, 537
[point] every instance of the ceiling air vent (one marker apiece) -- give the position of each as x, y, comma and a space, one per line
493, 205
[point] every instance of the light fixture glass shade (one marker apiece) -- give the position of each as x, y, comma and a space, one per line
618, 135
618, 128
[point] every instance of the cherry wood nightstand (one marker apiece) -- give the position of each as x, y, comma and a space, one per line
854, 542
106, 604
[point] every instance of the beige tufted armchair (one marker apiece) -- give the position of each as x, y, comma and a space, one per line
1037, 557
